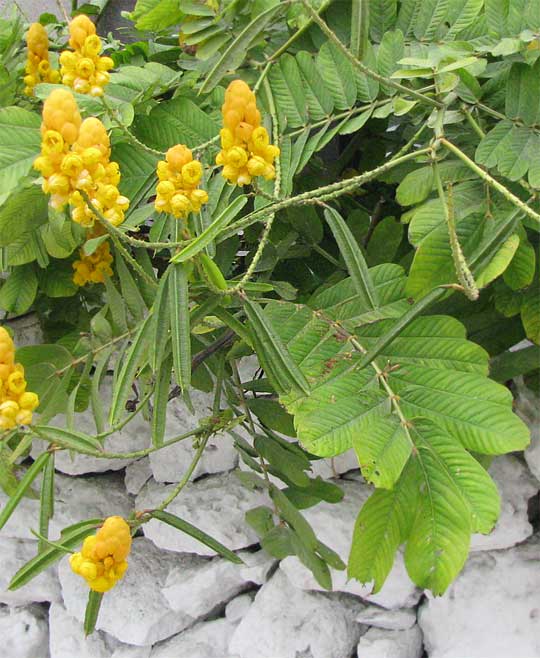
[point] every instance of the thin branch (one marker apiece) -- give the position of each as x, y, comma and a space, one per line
512, 198
362, 67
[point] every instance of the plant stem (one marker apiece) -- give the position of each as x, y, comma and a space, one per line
186, 477
326, 193
134, 264
362, 67
491, 181
463, 272
110, 112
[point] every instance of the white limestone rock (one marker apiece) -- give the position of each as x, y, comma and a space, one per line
14, 554
256, 567
75, 499
24, 632
379, 643
136, 611
285, 622
333, 525
137, 475
170, 463
516, 486
390, 620
492, 609
527, 406
67, 640
136, 435
206, 640
215, 504
329, 468
206, 585
237, 609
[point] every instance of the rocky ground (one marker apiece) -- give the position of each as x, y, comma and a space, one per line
179, 599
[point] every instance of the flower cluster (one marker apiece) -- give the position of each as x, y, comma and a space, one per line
75, 157
38, 68
16, 403
179, 177
92, 172
102, 559
246, 151
83, 68
95, 267
59, 131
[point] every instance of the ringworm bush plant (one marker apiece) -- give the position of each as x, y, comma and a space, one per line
347, 190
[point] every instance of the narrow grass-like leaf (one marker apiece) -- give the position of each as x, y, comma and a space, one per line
70, 538
25, 482
92, 611
161, 322
359, 27
46, 504
234, 55
130, 290
273, 352
209, 234
180, 325
116, 306
293, 517
133, 357
354, 259
161, 398
197, 534
70, 439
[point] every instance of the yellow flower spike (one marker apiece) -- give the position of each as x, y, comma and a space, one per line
102, 559
93, 268
246, 152
82, 68
38, 68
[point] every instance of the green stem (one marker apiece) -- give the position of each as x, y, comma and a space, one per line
186, 478
473, 123
326, 255
463, 272
512, 198
110, 112
326, 193
362, 67
134, 264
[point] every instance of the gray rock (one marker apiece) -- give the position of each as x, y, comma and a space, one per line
207, 584
333, 525
516, 486
135, 611
67, 638
26, 330
24, 632
207, 640
286, 622
14, 554
134, 436
137, 475
169, 464
492, 609
390, 620
329, 468
75, 499
527, 406
379, 643
215, 504
236, 609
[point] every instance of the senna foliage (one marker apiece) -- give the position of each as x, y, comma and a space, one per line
380, 275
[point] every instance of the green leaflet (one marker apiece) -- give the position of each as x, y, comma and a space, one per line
435, 371
442, 496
